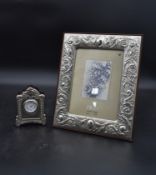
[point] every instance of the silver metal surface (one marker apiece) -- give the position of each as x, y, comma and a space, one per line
30, 107
123, 126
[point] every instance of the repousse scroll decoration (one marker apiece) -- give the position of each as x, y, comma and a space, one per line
120, 128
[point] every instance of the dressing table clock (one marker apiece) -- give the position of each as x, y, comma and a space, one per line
30, 107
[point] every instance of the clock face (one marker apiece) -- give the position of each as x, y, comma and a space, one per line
30, 105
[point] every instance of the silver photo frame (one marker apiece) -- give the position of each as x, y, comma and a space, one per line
121, 126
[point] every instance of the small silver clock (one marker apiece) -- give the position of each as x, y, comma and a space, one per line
30, 107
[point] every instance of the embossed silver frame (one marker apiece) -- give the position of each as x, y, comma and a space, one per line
122, 127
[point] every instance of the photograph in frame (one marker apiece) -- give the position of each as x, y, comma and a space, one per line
97, 84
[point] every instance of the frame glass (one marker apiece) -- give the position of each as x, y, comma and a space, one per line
97, 84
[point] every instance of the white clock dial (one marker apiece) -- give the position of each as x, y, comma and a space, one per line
30, 105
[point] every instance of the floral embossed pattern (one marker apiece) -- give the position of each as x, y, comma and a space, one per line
122, 127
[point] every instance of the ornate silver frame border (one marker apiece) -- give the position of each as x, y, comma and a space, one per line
122, 127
